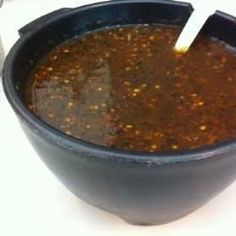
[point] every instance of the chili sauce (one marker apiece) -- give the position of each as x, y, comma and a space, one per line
125, 87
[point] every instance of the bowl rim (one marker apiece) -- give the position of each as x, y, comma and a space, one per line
77, 145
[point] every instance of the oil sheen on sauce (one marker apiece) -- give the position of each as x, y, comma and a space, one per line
126, 88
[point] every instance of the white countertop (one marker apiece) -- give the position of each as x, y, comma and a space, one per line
34, 203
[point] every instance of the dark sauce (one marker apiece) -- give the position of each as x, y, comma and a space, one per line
127, 88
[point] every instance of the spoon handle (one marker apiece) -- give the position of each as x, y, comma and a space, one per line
192, 28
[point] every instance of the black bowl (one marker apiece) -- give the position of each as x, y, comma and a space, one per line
140, 187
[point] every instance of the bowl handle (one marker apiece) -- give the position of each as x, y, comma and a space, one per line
34, 25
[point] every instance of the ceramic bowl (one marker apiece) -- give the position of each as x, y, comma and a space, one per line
142, 188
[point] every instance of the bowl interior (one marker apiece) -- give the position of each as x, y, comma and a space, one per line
51, 31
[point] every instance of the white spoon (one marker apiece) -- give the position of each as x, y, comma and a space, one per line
193, 26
